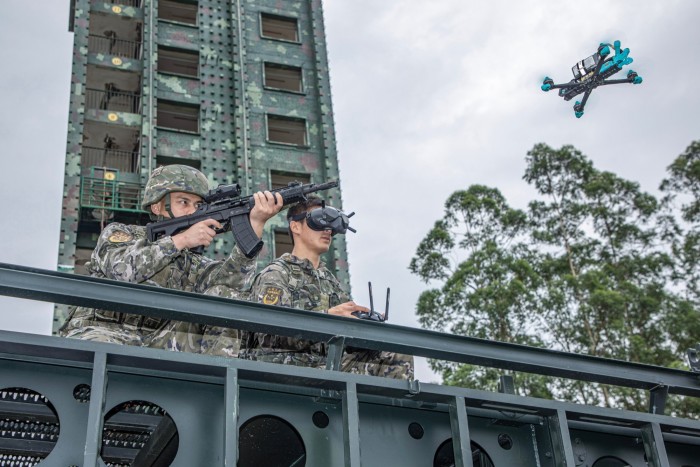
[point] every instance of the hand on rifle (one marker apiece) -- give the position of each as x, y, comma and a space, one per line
200, 234
266, 206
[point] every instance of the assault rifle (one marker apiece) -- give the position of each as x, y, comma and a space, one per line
226, 205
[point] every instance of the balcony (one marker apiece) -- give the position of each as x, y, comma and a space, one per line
113, 99
124, 161
111, 45
104, 193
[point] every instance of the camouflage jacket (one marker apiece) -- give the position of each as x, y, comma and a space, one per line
295, 283
124, 253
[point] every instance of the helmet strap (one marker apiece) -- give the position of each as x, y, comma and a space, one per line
167, 206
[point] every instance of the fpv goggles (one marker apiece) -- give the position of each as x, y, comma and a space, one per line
326, 218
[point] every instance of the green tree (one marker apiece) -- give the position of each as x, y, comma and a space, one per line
681, 204
478, 252
603, 271
588, 268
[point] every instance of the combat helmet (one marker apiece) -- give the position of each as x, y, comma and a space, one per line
173, 178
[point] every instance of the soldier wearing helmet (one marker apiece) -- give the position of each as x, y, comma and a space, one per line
300, 280
124, 253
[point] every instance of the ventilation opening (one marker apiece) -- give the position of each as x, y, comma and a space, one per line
445, 456
138, 433
29, 427
270, 441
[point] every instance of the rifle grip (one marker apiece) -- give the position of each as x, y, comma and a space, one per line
245, 236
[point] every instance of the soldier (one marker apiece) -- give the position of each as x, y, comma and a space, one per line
300, 280
124, 253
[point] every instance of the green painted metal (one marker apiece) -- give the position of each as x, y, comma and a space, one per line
97, 400
37, 284
369, 419
231, 407
460, 432
654, 447
562, 451
351, 425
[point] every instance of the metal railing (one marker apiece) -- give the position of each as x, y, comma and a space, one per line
113, 99
111, 195
111, 45
340, 332
124, 161
546, 433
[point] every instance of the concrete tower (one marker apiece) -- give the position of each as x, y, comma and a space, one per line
238, 89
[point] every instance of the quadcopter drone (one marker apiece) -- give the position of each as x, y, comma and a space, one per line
592, 72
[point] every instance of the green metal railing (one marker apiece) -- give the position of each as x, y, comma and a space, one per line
112, 195
213, 400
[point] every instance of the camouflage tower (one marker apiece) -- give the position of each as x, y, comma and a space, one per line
238, 89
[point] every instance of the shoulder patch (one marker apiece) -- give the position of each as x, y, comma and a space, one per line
120, 237
271, 296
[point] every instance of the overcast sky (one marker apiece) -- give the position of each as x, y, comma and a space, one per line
429, 98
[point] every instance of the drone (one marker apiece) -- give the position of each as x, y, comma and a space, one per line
592, 72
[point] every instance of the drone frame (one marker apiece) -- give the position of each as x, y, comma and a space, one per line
605, 66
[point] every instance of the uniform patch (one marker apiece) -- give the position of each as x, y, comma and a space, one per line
120, 237
272, 295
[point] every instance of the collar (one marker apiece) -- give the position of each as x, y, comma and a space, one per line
302, 262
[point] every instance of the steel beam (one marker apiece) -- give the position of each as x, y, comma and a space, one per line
231, 407
461, 442
36, 284
351, 425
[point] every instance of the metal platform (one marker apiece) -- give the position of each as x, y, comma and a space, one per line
72, 402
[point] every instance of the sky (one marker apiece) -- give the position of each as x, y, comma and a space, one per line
428, 98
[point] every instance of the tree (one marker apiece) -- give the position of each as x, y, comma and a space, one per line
587, 269
681, 203
479, 253
604, 274
682, 206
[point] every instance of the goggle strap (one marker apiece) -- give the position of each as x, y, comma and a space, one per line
298, 217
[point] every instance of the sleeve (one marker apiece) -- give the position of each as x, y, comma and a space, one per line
343, 296
338, 295
120, 255
271, 287
236, 272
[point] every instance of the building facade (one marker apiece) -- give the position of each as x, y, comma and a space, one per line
237, 89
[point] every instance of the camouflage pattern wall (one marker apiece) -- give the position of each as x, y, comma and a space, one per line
132, 108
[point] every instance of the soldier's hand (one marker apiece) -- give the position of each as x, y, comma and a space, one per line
200, 234
267, 205
346, 309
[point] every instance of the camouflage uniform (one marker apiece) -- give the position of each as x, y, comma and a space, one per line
124, 253
293, 282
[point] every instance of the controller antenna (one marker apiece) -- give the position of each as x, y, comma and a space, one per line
386, 310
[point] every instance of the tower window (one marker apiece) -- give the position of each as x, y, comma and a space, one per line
283, 243
279, 27
286, 130
179, 62
283, 77
178, 116
282, 179
178, 10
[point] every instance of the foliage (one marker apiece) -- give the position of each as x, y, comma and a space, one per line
595, 265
